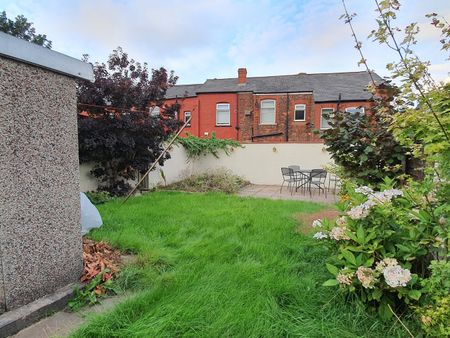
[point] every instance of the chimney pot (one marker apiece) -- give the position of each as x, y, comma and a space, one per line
242, 75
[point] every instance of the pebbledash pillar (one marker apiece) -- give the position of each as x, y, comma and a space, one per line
40, 237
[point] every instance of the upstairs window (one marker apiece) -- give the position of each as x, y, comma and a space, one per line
267, 112
223, 114
324, 119
187, 116
355, 110
300, 112
155, 111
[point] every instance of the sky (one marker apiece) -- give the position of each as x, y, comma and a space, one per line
203, 39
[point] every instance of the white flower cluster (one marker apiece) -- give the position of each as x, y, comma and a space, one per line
365, 190
320, 235
338, 233
385, 196
341, 221
394, 275
367, 277
317, 223
344, 278
361, 211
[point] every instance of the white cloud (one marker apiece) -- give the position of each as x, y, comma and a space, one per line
212, 38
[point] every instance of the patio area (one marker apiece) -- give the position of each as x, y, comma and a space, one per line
273, 192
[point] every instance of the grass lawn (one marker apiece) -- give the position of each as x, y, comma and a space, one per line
214, 265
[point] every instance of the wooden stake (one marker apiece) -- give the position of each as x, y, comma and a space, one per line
156, 161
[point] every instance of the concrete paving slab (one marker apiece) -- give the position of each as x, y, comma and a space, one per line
63, 323
273, 192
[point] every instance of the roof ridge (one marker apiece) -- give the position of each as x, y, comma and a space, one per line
288, 75
351, 72
190, 84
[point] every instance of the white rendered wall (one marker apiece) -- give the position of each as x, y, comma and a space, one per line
258, 163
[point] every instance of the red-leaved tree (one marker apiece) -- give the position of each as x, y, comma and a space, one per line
118, 131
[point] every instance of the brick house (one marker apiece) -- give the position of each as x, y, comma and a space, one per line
270, 109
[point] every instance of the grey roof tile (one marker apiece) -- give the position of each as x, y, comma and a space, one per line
325, 86
182, 91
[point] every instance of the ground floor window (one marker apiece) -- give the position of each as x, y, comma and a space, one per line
325, 116
187, 116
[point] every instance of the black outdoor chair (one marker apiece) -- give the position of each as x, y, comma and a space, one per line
335, 181
317, 179
290, 177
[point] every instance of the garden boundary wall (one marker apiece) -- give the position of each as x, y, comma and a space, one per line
257, 163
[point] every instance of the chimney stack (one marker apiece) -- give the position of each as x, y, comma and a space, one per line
242, 75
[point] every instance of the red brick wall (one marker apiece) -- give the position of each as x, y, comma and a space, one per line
247, 106
188, 104
208, 125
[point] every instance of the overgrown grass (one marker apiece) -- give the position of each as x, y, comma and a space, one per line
217, 181
215, 265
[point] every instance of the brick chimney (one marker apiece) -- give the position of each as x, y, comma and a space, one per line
242, 75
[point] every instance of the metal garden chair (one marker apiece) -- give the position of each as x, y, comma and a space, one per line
290, 177
317, 179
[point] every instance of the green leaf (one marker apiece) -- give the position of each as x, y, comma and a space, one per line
330, 282
376, 294
349, 256
414, 294
333, 270
360, 234
384, 311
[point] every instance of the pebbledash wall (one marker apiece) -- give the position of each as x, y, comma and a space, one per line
40, 233
260, 163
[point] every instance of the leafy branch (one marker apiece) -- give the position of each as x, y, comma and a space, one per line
196, 146
358, 44
413, 68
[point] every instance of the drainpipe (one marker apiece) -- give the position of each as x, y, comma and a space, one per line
339, 102
198, 123
287, 118
237, 117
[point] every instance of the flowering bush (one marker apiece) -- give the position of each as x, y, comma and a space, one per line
384, 242
435, 313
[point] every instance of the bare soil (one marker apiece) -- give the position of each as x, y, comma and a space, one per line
306, 220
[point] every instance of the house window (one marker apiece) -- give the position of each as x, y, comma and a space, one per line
300, 112
155, 111
324, 120
267, 112
354, 110
187, 116
223, 114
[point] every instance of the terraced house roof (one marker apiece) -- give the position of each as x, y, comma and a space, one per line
325, 86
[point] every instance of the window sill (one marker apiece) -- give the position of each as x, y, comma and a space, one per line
268, 124
299, 120
223, 125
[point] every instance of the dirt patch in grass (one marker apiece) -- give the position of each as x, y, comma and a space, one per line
307, 219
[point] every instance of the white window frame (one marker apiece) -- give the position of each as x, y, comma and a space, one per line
155, 111
321, 117
187, 113
223, 104
362, 110
304, 111
274, 112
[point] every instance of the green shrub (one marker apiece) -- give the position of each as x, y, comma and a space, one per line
98, 197
198, 146
384, 241
435, 313
220, 180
